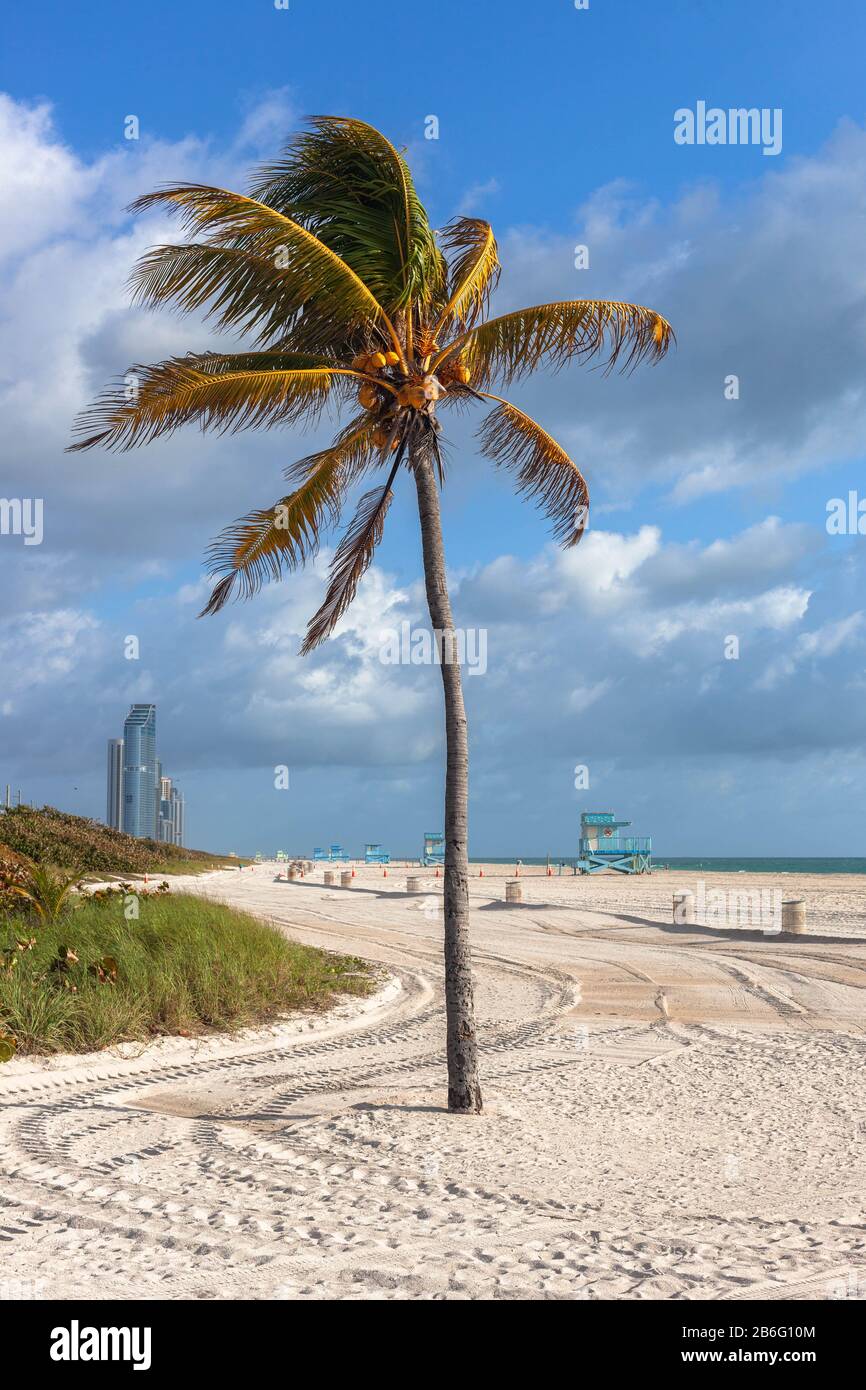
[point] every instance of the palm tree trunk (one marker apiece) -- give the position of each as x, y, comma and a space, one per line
464, 1092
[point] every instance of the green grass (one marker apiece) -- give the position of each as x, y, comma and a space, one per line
185, 966
196, 866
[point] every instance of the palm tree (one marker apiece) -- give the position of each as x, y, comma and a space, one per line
330, 269
46, 890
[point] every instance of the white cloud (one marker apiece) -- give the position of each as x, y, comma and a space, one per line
815, 646
474, 202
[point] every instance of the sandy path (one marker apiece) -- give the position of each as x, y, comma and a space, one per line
670, 1113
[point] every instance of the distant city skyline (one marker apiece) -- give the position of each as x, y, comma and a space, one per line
140, 799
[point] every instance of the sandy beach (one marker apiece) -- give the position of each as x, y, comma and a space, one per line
671, 1112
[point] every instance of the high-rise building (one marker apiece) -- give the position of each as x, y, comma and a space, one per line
114, 800
140, 812
140, 799
166, 821
178, 817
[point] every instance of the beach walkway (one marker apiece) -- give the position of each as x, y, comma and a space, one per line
671, 1112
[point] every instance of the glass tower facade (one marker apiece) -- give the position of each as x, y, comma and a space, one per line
114, 798
140, 801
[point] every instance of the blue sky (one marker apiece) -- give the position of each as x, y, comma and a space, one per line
708, 515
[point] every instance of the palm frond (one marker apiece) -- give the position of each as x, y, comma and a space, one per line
351, 561
544, 470
314, 280
262, 544
218, 391
513, 345
350, 186
474, 271
353, 447
234, 288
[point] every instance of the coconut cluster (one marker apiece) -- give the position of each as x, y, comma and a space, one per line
455, 369
419, 392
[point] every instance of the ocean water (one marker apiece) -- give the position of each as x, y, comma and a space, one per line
713, 865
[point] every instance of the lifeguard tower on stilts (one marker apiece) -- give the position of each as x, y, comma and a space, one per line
602, 846
433, 855
334, 854
375, 854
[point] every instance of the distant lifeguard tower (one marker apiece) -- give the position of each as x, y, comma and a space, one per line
602, 846
433, 855
374, 854
334, 854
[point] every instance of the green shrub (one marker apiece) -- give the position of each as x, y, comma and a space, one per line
53, 837
185, 965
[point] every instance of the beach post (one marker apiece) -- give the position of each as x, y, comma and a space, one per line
684, 909
330, 878
291, 873
513, 891
413, 885
346, 878
794, 916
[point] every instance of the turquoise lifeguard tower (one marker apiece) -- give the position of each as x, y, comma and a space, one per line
602, 846
334, 854
374, 854
433, 855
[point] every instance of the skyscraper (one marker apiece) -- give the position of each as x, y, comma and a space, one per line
178, 817
168, 799
140, 811
114, 800
140, 800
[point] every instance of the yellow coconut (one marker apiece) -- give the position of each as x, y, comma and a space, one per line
376, 361
392, 359
462, 373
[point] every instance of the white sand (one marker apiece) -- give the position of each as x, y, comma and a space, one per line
670, 1113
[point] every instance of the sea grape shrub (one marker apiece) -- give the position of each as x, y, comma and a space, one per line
49, 836
13, 879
